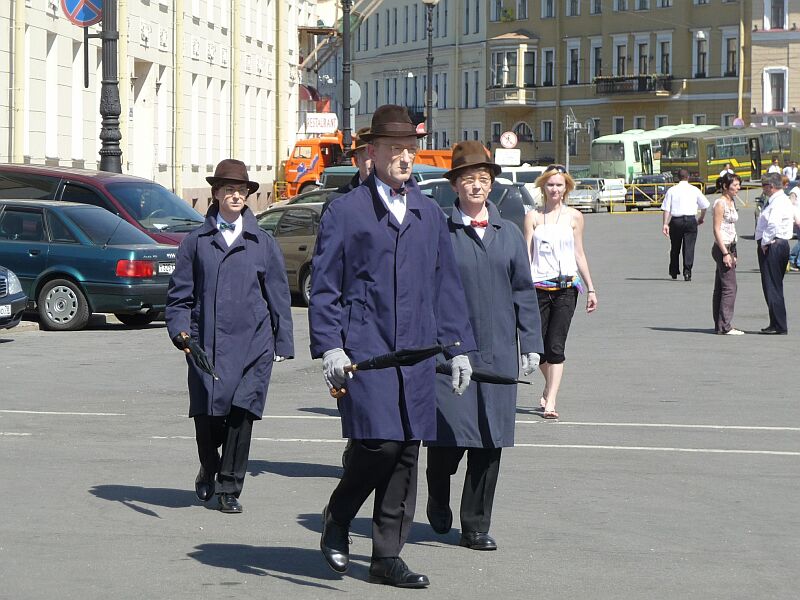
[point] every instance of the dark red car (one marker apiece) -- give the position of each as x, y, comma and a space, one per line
146, 205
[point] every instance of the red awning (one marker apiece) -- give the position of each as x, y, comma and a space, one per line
309, 92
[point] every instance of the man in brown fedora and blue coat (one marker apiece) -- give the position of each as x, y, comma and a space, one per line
230, 294
385, 278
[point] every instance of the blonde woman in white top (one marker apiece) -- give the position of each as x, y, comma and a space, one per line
724, 254
554, 237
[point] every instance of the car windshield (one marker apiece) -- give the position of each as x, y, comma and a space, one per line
105, 228
528, 176
155, 207
583, 184
445, 196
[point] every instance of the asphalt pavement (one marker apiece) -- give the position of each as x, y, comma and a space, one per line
674, 471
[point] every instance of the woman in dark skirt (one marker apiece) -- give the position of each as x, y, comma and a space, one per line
495, 273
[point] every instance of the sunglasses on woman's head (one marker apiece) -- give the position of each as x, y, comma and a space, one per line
559, 168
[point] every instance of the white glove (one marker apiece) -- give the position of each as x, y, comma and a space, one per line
279, 358
530, 361
460, 370
333, 364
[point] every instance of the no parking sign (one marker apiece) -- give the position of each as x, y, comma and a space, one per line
83, 13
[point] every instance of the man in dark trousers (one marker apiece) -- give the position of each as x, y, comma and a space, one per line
385, 278
680, 206
230, 294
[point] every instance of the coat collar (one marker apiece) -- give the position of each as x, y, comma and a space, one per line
495, 222
249, 222
414, 203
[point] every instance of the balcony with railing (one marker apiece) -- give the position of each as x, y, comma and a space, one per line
658, 85
509, 96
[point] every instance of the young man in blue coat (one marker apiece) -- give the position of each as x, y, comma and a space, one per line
230, 294
385, 278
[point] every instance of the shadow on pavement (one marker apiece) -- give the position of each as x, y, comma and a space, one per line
6, 340
421, 533
282, 562
317, 410
685, 329
293, 469
132, 495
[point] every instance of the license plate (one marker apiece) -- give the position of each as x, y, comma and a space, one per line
166, 268
5, 310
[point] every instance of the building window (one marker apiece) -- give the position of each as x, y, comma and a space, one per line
443, 95
365, 25
495, 9
388, 28
416, 22
549, 67
727, 119
639, 122
573, 66
475, 135
547, 131
597, 59
643, 50
661, 121
620, 5
642, 4
573, 8
405, 28
701, 55
466, 20
595, 128
621, 63
377, 20
530, 69
548, 10
394, 28
464, 134
619, 124
731, 56
699, 119
444, 21
664, 3
465, 95
477, 25
504, 68
476, 82
664, 49
524, 132
777, 89
376, 94
522, 10
776, 15
497, 130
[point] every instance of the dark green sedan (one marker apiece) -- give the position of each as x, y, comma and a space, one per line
75, 259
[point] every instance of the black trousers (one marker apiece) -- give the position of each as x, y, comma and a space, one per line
772, 264
233, 433
389, 468
682, 236
477, 497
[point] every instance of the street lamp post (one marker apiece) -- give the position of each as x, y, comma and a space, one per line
429, 4
347, 139
110, 109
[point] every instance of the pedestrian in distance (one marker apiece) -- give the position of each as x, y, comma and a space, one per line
504, 314
359, 154
680, 206
772, 235
384, 279
790, 170
775, 167
727, 170
724, 254
559, 268
229, 294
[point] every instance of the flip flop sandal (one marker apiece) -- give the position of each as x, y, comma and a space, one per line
549, 414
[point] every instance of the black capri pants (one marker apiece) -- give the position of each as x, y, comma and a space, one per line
556, 309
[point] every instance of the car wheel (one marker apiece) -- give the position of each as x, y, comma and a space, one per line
62, 306
305, 286
138, 319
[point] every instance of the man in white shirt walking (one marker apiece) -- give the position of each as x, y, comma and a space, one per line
775, 167
680, 207
773, 232
791, 170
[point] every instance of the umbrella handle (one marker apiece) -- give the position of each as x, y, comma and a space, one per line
338, 392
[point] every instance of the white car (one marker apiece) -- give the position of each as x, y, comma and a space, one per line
595, 194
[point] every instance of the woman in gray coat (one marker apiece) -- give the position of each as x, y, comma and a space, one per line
504, 315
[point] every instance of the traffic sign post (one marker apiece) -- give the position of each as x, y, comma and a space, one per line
83, 13
508, 140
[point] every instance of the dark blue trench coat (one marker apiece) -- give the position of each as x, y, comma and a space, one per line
378, 286
236, 302
505, 319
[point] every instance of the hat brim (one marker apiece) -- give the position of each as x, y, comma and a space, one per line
252, 186
371, 137
494, 167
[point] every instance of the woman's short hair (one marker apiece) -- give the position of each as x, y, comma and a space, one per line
555, 170
724, 182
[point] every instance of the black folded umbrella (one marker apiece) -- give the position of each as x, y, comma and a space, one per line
399, 358
484, 376
200, 357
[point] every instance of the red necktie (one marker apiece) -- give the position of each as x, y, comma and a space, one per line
475, 223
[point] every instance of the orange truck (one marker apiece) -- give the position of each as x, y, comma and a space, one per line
310, 157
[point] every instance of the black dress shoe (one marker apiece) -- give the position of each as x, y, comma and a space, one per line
687, 277
674, 276
440, 517
334, 543
228, 503
204, 485
394, 571
772, 331
477, 540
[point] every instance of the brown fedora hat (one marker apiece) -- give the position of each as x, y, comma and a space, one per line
359, 141
391, 120
471, 153
233, 170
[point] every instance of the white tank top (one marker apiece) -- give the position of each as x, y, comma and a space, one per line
553, 250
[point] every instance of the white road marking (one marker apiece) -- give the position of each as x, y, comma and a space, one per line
666, 425
567, 446
50, 412
14, 433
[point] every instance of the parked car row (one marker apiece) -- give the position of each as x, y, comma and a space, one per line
13, 300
